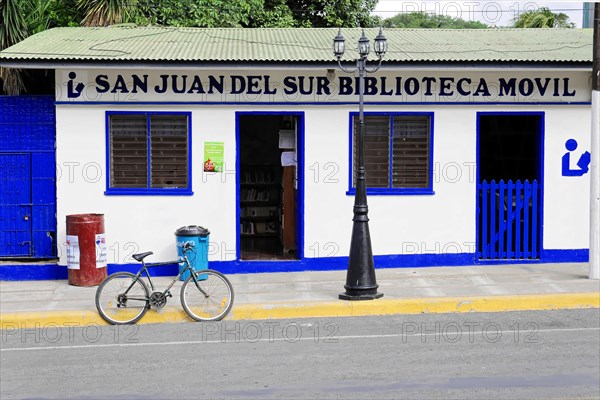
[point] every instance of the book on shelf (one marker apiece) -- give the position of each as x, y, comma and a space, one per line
260, 211
247, 228
254, 194
257, 176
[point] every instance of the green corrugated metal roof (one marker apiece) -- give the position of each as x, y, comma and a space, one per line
154, 44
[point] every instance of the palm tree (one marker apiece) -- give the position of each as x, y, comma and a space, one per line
18, 20
542, 18
105, 12
36, 15
13, 29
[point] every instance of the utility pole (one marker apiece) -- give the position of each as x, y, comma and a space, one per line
595, 150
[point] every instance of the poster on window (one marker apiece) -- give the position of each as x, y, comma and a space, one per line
101, 251
72, 252
213, 156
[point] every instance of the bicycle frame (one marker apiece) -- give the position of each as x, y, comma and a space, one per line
145, 268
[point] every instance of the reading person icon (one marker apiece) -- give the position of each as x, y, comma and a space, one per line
74, 91
583, 162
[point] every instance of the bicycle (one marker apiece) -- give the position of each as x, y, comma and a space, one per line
124, 298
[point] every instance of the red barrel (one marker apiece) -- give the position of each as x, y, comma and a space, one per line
86, 249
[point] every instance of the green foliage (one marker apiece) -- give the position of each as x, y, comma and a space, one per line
21, 18
542, 18
105, 12
63, 13
333, 13
424, 20
200, 13
256, 13
36, 15
195, 13
14, 27
272, 14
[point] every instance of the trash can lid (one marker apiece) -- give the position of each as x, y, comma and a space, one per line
192, 230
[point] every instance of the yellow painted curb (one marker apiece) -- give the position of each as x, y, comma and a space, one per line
335, 308
418, 306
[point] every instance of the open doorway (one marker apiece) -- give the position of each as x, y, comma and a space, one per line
268, 186
509, 185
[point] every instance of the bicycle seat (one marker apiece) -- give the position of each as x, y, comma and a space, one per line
141, 256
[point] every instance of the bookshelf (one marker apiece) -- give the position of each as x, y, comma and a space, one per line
260, 207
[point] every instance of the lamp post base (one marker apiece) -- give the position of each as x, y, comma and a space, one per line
360, 294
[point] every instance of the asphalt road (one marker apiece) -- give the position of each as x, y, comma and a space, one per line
550, 354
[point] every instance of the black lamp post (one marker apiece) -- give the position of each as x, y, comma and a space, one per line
360, 278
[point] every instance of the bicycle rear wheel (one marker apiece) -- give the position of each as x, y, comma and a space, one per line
122, 300
212, 301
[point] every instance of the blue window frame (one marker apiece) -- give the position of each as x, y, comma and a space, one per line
148, 153
398, 152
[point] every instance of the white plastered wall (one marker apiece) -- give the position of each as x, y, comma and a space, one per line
400, 224
144, 223
566, 198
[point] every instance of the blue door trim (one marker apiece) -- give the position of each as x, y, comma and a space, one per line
299, 190
543, 257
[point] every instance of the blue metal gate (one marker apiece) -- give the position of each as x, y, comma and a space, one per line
15, 189
509, 220
27, 177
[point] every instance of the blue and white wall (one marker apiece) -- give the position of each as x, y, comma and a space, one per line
438, 229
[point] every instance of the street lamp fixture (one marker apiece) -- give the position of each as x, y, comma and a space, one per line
360, 278
380, 44
339, 45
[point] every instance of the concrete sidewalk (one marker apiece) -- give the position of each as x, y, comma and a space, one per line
315, 294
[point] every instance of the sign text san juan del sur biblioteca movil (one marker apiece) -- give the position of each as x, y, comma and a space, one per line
294, 86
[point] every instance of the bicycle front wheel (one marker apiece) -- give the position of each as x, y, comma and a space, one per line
120, 299
211, 299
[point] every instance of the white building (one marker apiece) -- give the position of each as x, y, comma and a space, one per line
477, 143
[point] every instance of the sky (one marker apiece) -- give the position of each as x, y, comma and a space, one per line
498, 13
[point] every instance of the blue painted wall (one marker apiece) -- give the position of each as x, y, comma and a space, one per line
28, 191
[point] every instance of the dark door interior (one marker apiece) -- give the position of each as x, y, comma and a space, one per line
508, 147
268, 213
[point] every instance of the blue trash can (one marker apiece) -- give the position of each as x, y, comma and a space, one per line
198, 256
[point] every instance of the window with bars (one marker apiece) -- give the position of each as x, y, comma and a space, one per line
148, 152
397, 152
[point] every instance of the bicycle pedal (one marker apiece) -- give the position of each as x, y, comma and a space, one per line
169, 294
